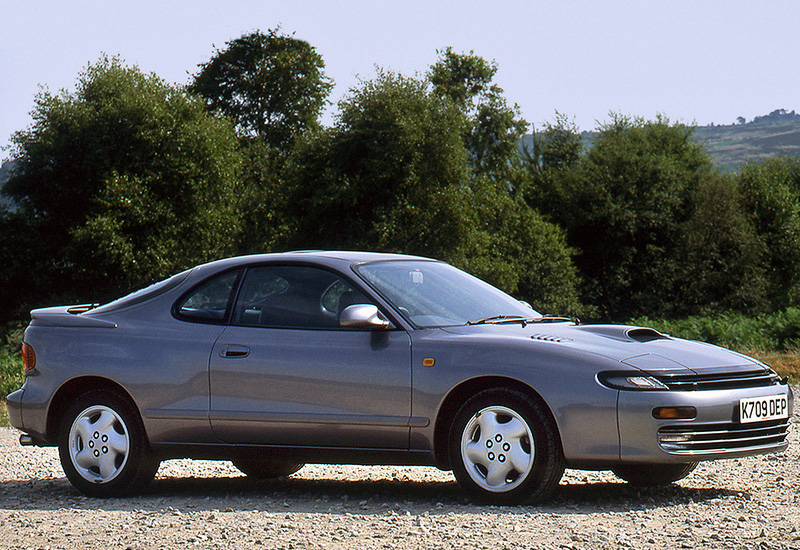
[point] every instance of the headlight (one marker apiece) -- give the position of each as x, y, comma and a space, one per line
630, 381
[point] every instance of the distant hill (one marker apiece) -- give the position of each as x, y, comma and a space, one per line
732, 146
764, 136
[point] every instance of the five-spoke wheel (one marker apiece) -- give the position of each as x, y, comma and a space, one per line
504, 448
99, 444
102, 445
496, 446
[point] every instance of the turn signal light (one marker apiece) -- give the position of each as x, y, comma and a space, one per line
675, 413
28, 357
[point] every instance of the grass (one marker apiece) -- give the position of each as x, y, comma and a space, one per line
784, 363
11, 378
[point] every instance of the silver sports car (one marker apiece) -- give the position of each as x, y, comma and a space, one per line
273, 361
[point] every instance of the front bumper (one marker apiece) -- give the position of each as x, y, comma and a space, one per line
715, 433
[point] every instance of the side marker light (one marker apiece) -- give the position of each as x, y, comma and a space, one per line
675, 413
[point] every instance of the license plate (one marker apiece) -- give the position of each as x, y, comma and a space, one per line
759, 409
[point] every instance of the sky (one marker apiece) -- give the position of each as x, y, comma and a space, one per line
695, 61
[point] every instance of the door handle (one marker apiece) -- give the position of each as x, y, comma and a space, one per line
233, 351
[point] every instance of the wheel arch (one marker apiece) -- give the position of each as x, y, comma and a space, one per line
466, 389
70, 391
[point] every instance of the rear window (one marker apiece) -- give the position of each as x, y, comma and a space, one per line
144, 293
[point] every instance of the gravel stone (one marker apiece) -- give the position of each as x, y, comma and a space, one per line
751, 503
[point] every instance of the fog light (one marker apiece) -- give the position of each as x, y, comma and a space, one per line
675, 413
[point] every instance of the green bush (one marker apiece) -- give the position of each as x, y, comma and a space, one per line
11, 376
778, 331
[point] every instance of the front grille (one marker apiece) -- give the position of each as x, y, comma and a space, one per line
712, 438
751, 378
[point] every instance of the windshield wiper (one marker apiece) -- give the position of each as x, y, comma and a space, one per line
550, 319
499, 319
503, 319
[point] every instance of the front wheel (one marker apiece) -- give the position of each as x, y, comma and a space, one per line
651, 475
102, 446
504, 448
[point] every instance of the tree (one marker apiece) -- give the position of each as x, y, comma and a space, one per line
559, 145
771, 191
519, 251
272, 85
494, 128
127, 178
722, 258
388, 176
393, 175
623, 205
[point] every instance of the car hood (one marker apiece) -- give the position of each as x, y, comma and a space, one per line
640, 347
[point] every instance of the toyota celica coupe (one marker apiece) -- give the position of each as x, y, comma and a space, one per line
273, 361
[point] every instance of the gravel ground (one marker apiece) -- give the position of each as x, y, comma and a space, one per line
744, 503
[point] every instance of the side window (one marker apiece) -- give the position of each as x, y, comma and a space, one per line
209, 302
293, 297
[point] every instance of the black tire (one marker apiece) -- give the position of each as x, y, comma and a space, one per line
519, 461
266, 469
651, 475
102, 446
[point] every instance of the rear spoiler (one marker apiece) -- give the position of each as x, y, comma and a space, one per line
60, 316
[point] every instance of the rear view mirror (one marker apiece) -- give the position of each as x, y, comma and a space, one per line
363, 316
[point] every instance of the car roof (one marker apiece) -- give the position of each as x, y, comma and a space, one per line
322, 257
353, 256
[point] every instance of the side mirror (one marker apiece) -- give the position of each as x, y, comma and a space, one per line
363, 316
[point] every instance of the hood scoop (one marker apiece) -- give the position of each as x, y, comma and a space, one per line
645, 335
625, 334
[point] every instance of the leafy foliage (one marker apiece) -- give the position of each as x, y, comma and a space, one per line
394, 175
771, 191
779, 331
387, 176
493, 127
522, 253
130, 178
272, 85
126, 179
633, 205
720, 254
11, 376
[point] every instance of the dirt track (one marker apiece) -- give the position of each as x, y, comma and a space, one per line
744, 503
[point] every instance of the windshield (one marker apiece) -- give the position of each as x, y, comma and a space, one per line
433, 294
144, 293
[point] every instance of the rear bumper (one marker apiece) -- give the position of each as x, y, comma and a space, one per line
14, 408
21, 417
715, 433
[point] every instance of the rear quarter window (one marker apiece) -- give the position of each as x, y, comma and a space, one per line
210, 301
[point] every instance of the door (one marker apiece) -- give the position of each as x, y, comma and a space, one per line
285, 373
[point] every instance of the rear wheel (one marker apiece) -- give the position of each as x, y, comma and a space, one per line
504, 448
102, 446
266, 469
653, 474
